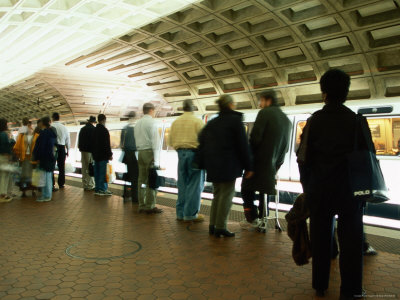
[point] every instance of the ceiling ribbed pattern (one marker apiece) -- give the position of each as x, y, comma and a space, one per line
242, 47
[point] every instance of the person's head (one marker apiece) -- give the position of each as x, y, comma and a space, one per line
268, 98
38, 126
56, 116
92, 120
335, 86
25, 121
225, 102
3, 125
188, 105
149, 109
131, 115
46, 122
29, 124
101, 118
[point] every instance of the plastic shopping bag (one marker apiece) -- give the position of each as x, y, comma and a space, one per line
38, 178
69, 168
110, 176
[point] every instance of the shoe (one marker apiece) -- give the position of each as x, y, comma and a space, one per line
141, 211
107, 193
62, 186
200, 218
88, 189
55, 189
43, 200
247, 225
320, 293
154, 210
100, 193
211, 229
223, 232
370, 251
6, 199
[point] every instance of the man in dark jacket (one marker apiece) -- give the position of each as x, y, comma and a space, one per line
328, 138
85, 145
269, 141
225, 153
128, 145
101, 154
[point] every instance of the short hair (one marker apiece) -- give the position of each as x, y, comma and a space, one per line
147, 107
56, 116
25, 121
101, 118
3, 125
269, 94
335, 84
224, 102
46, 121
188, 105
131, 115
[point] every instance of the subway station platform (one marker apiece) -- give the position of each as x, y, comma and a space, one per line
81, 246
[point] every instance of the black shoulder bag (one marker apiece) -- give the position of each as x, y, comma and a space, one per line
365, 174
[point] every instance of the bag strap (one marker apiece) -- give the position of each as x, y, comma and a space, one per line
361, 125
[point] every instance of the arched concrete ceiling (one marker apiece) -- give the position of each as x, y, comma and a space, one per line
242, 47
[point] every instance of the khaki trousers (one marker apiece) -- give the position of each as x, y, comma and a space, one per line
87, 180
222, 203
147, 196
6, 182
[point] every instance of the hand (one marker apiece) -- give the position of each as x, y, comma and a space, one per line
67, 153
248, 174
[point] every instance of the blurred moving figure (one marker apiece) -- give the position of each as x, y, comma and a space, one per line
128, 145
183, 137
147, 143
23, 151
44, 152
269, 141
327, 138
63, 143
5, 155
224, 152
85, 146
101, 154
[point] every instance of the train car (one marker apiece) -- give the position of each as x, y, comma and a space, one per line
383, 118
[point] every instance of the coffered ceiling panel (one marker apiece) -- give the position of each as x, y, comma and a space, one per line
111, 56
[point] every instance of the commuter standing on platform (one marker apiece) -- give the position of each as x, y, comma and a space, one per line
147, 143
327, 139
183, 137
101, 154
269, 141
128, 145
44, 152
5, 154
85, 146
224, 153
62, 148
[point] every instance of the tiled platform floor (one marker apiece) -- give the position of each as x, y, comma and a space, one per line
165, 259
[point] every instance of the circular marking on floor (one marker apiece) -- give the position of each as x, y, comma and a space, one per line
103, 249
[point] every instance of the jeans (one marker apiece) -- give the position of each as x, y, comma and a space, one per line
47, 190
147, 196
100, 169
87, 180
222, 203
190, 186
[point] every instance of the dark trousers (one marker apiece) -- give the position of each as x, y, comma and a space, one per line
132, 175
61, 156
251, 211
350, 236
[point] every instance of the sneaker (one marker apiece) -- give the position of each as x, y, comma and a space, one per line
200, 218
88, 189
107, 193
154, 210
100, 193
247, 225
370, 251
6, 199
43, 200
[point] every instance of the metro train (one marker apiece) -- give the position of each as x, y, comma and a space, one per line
383, 118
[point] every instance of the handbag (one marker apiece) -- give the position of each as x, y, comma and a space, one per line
365, 175
155, 180
38, 178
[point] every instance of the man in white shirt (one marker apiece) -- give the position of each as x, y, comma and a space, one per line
62, 145
147, 144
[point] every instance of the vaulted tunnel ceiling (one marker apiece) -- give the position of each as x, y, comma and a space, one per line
222, 46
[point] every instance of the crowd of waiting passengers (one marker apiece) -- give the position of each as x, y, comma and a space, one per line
221, 152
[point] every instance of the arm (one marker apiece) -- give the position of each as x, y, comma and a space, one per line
67, 139
171, 136
155, 144
108, 144
257, 133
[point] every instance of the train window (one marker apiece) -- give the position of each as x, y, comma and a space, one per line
385, 134
115, 139
299, 130
72, 138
